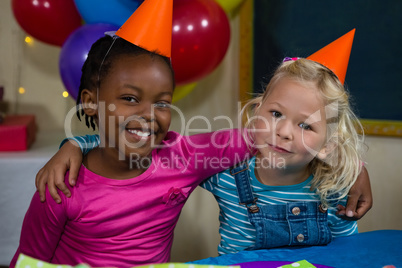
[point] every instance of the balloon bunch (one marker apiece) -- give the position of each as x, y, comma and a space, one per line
200, 37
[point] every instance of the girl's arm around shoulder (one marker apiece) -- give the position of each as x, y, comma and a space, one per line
360, 199
213, 152
42, 228
69, 157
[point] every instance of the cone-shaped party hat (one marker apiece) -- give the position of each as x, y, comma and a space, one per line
335, 56
150, 27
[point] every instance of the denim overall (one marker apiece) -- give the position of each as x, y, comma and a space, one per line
292, 224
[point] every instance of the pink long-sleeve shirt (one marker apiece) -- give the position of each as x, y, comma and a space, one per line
124, 223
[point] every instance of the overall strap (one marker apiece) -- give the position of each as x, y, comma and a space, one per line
242, 178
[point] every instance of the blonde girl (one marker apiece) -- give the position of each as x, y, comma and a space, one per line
308, 157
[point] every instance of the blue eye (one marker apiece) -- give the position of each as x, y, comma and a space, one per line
276, 114
305, 126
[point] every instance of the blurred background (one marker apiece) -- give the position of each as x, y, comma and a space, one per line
44, 43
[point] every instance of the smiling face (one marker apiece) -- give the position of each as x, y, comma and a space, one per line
291, 123
136, 96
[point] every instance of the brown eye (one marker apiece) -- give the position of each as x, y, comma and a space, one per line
130, 99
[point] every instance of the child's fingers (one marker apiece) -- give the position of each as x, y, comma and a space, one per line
351, 206
341, 210
51, 185
63, 188
38, 175
58, 176
40, 184
74, 169
362, 208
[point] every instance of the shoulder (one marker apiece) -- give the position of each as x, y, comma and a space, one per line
173, 141
221, 139
88, 187
173, 137
227, 178
86, 180
223, 180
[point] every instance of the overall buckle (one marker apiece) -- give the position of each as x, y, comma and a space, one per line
253, 208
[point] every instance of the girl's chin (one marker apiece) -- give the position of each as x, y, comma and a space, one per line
138, 152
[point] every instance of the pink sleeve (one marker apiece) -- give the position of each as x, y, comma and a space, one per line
41, 229
211, 153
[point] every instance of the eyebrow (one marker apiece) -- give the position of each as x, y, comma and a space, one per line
163, 93
166, 93
131, 87
307, 116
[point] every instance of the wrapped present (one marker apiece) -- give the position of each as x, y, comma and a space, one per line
17, 132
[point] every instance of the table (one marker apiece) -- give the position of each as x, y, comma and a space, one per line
17, 184
370, 249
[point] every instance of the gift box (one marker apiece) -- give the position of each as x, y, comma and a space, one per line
17, 132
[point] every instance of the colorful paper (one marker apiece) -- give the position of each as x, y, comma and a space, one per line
299, 264
25, 261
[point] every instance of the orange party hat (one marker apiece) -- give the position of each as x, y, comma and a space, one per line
335, 56
150, 27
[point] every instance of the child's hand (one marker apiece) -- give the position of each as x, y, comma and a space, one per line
69, 157
360, 199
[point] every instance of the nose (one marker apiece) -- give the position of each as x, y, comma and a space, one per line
284, 129
146, 112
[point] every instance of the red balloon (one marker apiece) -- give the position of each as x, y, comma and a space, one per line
50, 21
200, 38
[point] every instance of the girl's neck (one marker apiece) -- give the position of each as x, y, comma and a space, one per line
107, 164
280, 176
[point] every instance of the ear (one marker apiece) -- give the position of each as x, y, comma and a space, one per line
326, 150
89, 103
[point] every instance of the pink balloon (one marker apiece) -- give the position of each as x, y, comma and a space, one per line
50, 21
200, 38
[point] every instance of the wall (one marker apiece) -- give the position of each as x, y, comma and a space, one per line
36, 68
385, 169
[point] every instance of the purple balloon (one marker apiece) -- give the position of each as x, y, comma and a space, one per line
75, 51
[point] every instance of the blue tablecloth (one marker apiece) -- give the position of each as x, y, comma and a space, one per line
371, 249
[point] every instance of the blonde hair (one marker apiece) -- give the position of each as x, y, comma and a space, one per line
336, 174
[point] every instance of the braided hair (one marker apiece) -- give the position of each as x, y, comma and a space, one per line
98, 63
